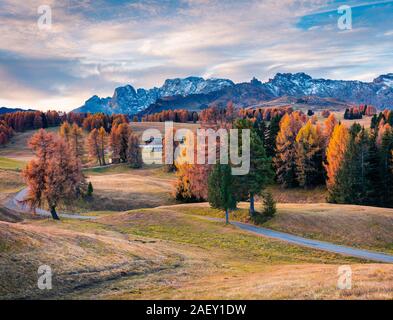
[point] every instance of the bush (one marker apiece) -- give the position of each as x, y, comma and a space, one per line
90, 189
268, 210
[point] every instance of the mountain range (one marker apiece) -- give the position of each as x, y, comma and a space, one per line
11, 110
195, 93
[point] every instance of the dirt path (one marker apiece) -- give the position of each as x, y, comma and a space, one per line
16, 205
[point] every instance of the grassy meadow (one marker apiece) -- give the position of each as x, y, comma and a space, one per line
144, 245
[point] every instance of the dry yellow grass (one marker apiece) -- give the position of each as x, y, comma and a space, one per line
298, 195
163, 253
358, 226
17, 148
10, 182
170, 253
122, 188
365, 121
78, 259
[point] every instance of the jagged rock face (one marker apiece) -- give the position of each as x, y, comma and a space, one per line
197, 93
192, 85
378, 93
130, 101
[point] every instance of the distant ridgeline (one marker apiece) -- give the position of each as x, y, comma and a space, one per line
10, 110
196, 94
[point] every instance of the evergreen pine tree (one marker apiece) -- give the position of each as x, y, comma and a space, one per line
261, 171
385, 168
261, 130
373, 173
271, 136
90, 189
220, 189
269, 205
374, 122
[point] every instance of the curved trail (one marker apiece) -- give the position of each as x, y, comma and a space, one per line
14, 204
315, 244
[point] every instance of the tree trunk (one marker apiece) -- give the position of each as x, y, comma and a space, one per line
103, 156
226, 216
54, 213
252, 205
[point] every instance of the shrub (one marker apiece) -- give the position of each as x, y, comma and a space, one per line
90, 189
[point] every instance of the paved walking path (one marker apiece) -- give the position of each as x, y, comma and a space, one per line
315, 244
16, 205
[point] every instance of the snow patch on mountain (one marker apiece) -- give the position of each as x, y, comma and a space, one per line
130, 101
127, 100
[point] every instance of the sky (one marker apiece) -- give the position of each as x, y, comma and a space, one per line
93, 46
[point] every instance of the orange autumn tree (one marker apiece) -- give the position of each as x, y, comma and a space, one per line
329, 125
134, 153
308, 153
55, 176
191, 184
96, 143
183, 162
284, 161
118, 141
65, 131
335, 153
76, 140
383, 128
73, 136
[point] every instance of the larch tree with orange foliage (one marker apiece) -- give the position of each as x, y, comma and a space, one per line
102, 142
309, 149
93, 146
184, 163
134, 153
55, 176
118, 141
76, 140
329, 125
285, 160
96, 143
335, 153
65, 131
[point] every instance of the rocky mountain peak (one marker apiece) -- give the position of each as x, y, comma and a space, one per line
197, 93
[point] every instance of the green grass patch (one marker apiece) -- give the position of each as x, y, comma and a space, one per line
110, 169
217, 236
241, 215
11, 164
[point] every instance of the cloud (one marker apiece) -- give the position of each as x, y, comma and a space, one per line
95, 46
